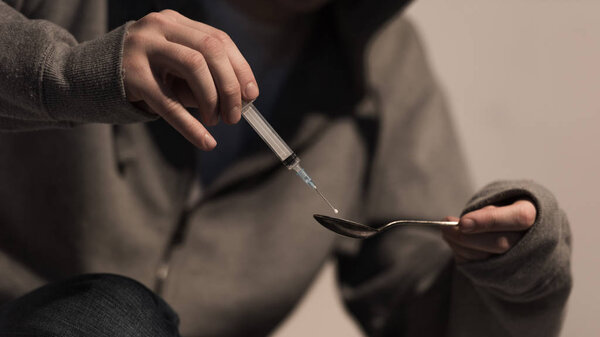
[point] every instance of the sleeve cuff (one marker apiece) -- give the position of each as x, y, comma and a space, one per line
540, 262
84, 83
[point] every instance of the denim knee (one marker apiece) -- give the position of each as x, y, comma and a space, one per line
89, 305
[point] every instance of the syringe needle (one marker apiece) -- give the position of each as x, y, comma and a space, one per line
327, 201
279, 147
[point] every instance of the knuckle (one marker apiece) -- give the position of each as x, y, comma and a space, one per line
211, 101
221, 35
169, 12
495, 217
195, 61
211, 45
231, 90
169, 108
152, 19
142, 22
245, 72
488, 220
487, 217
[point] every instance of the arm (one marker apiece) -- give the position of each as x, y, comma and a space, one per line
162, 62
50, 80
523, 291
404, 283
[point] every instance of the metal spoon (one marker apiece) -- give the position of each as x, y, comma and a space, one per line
359, 231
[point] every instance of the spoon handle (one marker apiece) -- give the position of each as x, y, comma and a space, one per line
421, 222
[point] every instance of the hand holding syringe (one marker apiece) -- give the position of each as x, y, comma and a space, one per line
279, 147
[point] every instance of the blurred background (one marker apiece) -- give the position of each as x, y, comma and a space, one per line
523, 81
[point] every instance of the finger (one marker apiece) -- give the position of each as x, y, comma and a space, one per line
462, 254
182, 19
240, 66
228, 87
176, 115
164, 104
495, 243
191, 66
230, 97
183, 92
519, 216
215, 55
185, 96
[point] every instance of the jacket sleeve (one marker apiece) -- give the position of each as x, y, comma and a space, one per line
404, 283
524, 291
49, 80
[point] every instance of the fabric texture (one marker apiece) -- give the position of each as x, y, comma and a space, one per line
360, 107
51, 80
520, 285
95, 305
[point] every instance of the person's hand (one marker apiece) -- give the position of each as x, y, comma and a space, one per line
170, 61
489, 231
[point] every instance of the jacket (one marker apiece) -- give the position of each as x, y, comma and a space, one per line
89, 183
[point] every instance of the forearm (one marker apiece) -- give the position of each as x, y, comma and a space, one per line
51, 80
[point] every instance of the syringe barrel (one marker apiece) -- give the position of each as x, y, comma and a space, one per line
266, 132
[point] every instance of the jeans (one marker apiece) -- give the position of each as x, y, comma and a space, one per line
89, 305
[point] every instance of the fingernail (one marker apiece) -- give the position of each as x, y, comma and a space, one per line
209, 141
467, 225
251, 91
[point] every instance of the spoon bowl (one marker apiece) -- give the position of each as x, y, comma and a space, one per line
357, 230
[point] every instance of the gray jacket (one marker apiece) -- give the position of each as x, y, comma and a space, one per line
85, 186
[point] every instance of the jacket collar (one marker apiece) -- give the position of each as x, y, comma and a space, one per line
357, 21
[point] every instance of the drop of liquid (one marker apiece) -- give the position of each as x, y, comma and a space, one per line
335, 211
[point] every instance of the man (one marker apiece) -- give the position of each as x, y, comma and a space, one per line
228, 239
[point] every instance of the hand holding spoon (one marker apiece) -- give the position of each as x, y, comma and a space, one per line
359, 231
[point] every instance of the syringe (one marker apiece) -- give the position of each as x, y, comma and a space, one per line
279, 147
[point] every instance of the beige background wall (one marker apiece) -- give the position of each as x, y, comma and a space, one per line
523, 79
